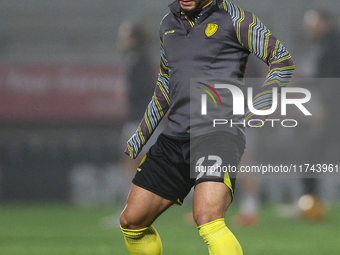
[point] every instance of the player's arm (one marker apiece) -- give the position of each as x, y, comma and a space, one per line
155, 111
256, 38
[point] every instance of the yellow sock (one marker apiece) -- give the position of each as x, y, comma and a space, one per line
219, 238
145, 241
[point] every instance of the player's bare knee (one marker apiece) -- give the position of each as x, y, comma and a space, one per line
132, 221
124, 223
127, 221
202, 218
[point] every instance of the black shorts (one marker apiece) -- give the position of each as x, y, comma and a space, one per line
173, 166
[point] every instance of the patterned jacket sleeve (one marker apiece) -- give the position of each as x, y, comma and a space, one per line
155, 111
255, 37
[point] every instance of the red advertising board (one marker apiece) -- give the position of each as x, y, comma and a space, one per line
61, 92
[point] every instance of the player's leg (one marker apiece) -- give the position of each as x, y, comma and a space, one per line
141, 210
159, 183
211, 201
216, 156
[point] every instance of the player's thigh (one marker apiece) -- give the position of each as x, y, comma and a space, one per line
142, 208
211, 201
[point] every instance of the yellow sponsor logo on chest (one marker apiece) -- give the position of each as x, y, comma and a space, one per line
211, 29
169, 32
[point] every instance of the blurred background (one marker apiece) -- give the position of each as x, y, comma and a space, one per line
67, 89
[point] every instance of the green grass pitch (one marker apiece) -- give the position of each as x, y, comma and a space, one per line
57, 229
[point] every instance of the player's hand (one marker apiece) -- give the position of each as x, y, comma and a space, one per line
134, 147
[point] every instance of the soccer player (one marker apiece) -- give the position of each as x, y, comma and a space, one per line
199, 39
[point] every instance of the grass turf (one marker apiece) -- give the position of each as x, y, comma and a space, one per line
54, 229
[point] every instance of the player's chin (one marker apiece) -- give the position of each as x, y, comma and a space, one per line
187, 5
